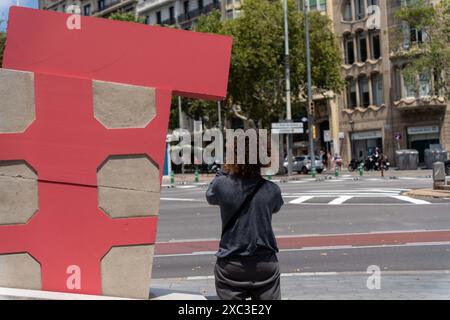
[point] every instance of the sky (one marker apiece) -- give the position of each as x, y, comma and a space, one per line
4, 8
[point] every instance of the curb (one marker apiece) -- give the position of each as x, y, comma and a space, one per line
25, 294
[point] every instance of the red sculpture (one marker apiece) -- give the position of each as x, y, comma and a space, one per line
66, 144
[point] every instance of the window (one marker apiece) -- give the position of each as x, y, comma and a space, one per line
360, 9
158, 17
409, 88
362, 46
172, 13
372, 3
200, 4
375, 44
364, 91
351, 93
322, 5
186, 7
101, 5
416, 35
347, 11
87, 10
377, 89
349, 50
424, 84
317, 5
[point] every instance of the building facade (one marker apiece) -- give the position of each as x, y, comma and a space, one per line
184, 13
97, 8
378, 108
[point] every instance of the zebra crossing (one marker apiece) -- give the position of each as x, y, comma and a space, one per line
367, 196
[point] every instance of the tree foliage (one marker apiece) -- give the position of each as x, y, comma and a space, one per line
130, 17
433, 55
2, 46
256, 84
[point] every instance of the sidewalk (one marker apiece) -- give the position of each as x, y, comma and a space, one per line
189, 179
395, 285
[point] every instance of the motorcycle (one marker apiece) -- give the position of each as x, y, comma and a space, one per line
376, 163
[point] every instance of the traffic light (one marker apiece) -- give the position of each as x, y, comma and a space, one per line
311, 109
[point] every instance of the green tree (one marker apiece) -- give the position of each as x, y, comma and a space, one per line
256, 84
432, 55
130, 17
2, 46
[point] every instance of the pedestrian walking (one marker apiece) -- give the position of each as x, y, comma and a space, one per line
338, 161
247, 264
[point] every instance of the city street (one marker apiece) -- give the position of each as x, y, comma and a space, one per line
329, 232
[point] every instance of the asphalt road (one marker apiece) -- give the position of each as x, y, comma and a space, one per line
340, 225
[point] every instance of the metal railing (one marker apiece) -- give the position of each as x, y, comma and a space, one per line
192, 14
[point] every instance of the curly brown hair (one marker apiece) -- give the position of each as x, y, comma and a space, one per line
247, 169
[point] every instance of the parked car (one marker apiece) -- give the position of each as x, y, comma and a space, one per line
302, 164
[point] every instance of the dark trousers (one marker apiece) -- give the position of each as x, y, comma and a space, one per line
255, 277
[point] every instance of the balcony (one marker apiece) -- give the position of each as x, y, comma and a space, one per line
169, 22
184, 17
145, 5
53, 4
429, 103
111, 6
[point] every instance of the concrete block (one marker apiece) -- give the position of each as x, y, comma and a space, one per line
17, 101
18, 192
126, 271
20, 271
123, 106
129, 186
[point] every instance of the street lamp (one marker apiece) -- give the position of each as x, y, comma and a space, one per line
288, 86
310, 101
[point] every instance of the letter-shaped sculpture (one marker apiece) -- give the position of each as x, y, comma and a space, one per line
83, 121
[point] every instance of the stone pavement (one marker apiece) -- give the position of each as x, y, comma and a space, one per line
394, 285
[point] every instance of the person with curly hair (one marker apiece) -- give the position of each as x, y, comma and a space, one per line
247, 264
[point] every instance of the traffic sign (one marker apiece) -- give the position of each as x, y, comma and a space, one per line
327, 135
287, 127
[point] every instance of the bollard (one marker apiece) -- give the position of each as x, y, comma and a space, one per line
360, 168
336, 171
172, 179
438, 175
313, 172
269, 176
196, 174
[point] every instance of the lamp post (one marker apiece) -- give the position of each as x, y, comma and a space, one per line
288, 86
310, 101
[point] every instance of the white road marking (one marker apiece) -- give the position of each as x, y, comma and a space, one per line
324, 248
301, 199
336, 273
412, 200
340, 200
181, 199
